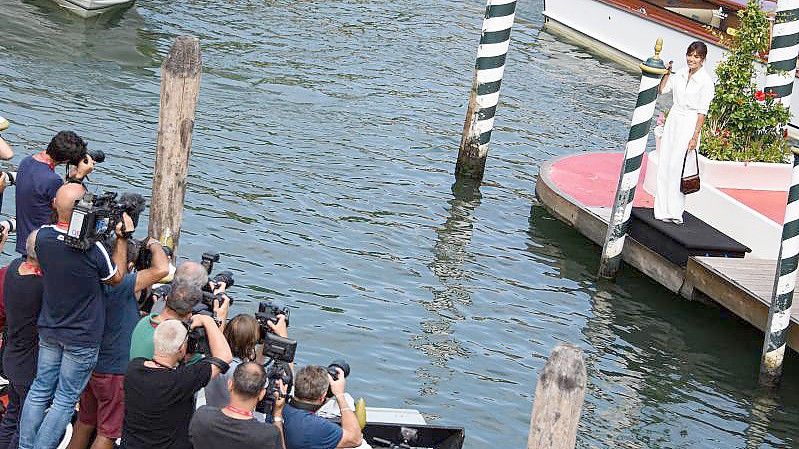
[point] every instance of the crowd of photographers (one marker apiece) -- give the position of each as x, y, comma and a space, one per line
101, 330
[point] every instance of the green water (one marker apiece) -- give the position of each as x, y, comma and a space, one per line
324, 147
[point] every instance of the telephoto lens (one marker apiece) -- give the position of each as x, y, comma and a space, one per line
10, 224
97, 155
11, 178
338, 364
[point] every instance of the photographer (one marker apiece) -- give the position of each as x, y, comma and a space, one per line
178, 307
194, 274
233, 425
303, 428
22, 297
242, 334
37, 181
160, 391
102, 404
70, 322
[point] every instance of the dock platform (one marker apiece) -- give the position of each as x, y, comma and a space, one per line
579, 190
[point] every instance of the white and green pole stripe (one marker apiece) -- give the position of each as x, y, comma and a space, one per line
779, 313
780, 79
783, 52
484, 94
651, 72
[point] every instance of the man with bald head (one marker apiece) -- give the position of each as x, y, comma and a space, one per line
70, 323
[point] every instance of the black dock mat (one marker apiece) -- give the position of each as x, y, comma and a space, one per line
679, 242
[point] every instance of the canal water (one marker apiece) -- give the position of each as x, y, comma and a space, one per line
323, 153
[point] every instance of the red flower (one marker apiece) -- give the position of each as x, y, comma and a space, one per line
784, 133
760, 96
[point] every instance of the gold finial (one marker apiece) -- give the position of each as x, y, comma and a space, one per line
654, 65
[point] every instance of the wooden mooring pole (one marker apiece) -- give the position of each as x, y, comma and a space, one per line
484, 95
558, 400
180, 86
651, 72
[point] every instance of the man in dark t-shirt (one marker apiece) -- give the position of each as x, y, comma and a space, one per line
102, 403
159, 393
37, 181
22, 296
234, 425
70, 323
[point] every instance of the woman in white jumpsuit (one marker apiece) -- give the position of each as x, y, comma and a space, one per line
692, 89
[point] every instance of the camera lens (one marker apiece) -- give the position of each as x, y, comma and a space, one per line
97, 155
338, 364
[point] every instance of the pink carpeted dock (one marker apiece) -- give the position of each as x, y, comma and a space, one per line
592, 178
579, 190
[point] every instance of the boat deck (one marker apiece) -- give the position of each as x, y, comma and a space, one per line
579, 190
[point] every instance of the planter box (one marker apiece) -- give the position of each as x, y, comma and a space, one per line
725, 213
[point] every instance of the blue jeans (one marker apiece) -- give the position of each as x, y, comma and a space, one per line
62, 373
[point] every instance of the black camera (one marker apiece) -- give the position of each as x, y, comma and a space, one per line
331, 369
197, 341
208, 259
97, 155
278, 370
268, 311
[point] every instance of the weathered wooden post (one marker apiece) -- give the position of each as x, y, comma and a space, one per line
558, 400
651, 72
180, 86
779, 81
484, 95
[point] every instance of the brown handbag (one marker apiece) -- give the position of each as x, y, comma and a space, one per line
690, 184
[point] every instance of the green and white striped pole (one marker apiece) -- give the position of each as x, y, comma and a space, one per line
783, 52
484, 96
651, 72
780, 79
779, 313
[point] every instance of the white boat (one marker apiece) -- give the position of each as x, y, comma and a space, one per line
627, 29
89, 8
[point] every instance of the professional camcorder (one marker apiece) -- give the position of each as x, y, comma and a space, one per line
279, 353
206, 305
95, 217
268, 311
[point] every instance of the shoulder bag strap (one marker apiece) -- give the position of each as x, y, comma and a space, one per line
684, 159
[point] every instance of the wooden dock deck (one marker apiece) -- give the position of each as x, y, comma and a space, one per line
742, 286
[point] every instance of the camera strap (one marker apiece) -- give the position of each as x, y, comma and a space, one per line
302, 405
219, 363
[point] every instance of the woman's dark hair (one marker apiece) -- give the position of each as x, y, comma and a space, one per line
242, 334
66, 146
697, 47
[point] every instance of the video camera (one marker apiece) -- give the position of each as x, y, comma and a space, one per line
95, 217
206, 304
279, 352
268, 311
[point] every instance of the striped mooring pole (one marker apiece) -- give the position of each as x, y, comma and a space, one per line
783, 52
779, 313
780, 79
651, 72
484, 95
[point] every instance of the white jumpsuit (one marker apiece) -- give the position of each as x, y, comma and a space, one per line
691, 97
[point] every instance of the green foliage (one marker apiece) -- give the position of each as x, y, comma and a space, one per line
744, 124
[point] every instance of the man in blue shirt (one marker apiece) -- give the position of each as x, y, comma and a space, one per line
306, 430
70, 323
37, 181
102, 404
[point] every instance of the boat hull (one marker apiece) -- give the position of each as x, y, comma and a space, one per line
89, 8
631, 35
